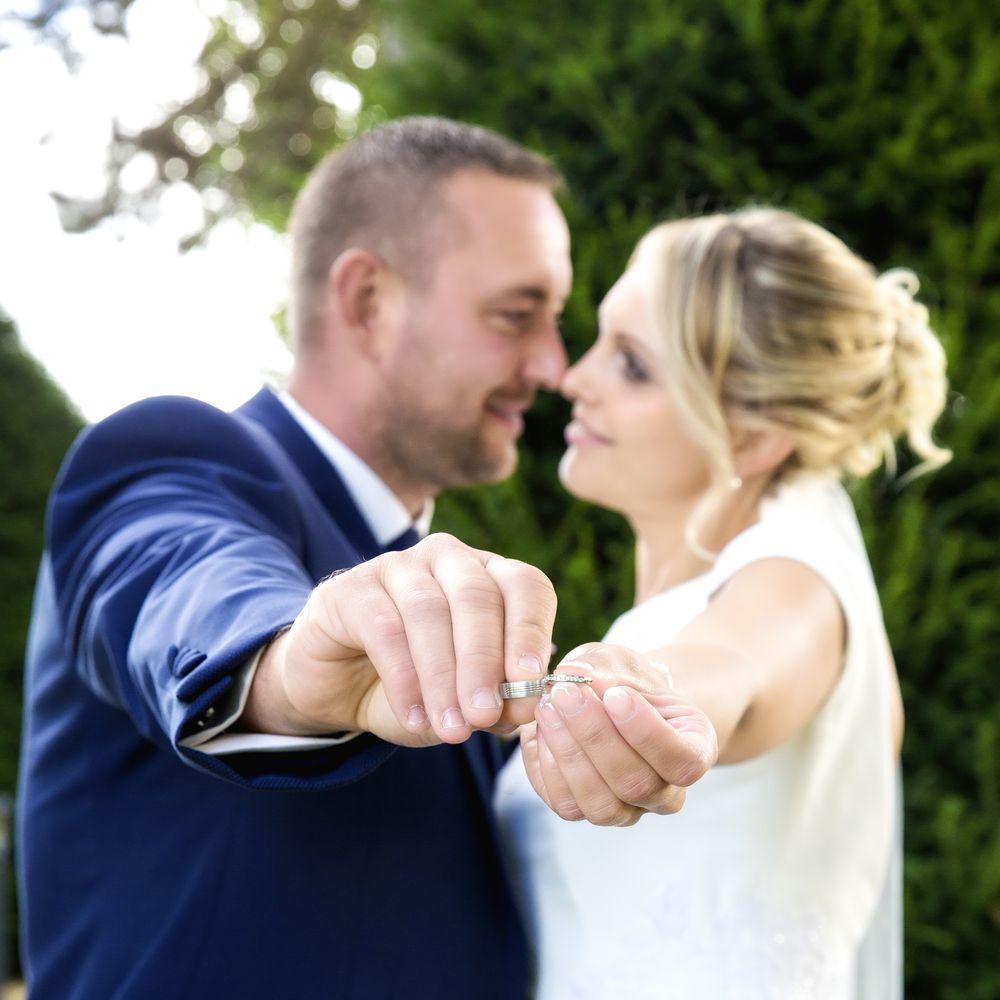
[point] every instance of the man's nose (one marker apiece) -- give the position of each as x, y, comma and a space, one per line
547, 359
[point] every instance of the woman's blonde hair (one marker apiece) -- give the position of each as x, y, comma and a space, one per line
770, 322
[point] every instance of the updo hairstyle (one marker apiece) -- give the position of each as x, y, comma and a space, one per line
769, 321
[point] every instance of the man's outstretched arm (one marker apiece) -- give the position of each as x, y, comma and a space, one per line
176, 555
411, 646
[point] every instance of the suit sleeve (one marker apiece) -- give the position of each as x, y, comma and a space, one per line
174, 546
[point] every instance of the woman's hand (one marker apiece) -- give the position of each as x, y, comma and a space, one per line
625, 745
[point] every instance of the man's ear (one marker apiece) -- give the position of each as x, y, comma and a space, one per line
759, 451
361, 291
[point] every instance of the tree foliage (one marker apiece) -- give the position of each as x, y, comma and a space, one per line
36, 427
876, 118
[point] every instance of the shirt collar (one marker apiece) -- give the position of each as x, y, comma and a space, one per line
385, 513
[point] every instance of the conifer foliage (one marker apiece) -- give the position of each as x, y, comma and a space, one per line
877, 119
36, 427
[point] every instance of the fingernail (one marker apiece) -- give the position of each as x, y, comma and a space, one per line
549, 715
530, 663
452, 719
486, 698
568, 698
416, 717
619, 703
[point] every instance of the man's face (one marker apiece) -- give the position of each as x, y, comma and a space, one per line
473, 345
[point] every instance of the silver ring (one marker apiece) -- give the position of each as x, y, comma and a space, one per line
536, 688
522, 689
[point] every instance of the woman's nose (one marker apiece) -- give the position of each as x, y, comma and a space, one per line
575, 380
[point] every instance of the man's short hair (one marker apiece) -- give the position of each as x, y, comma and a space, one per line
381, 192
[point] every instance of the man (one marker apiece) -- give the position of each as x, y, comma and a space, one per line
244, 776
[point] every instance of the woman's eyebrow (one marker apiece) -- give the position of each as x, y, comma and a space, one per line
623, 339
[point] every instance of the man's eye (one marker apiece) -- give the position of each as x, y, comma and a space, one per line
516, 317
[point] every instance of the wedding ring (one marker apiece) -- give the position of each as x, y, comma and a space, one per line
535, 688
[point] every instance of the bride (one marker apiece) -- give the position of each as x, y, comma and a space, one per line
746, 364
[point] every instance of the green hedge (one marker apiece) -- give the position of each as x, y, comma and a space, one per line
878, 120
36, 427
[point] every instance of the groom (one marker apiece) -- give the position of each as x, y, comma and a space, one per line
249, 769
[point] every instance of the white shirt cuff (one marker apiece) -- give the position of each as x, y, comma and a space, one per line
214, 741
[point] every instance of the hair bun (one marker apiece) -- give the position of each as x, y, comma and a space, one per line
771, 322
918, 366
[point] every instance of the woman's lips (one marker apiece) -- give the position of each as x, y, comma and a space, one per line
578, 433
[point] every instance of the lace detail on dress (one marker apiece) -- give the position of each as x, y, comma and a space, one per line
734, 950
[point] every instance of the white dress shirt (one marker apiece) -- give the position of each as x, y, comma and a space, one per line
387, 518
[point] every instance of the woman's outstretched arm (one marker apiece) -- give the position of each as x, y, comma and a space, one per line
757, 665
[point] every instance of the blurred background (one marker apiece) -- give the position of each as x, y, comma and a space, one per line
150, 154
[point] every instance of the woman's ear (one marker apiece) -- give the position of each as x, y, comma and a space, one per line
760, 451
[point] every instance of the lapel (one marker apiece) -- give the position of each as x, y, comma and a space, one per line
268, 411
269, 414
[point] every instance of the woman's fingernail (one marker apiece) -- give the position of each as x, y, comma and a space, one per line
530, 663
619, 703
550, 717
568, 698
452, 719
416, 717
486, 698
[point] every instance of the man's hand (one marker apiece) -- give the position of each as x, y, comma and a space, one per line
613, 750
411, 646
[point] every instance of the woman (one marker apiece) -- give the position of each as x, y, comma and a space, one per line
745, 364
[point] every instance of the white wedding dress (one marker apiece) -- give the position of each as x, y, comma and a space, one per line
780, 878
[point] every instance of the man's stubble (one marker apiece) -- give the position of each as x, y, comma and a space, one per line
435, 446
436, 438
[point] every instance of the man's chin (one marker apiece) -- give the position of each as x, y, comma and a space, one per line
501, 469
488, 466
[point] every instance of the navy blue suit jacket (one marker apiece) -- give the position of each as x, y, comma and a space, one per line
180, 539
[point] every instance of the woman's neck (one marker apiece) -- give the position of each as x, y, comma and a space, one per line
663, 556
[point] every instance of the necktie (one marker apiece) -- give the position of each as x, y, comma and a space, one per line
403, 541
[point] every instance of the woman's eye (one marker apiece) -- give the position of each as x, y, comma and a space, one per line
632, 368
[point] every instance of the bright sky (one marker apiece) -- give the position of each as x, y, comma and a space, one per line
117, 313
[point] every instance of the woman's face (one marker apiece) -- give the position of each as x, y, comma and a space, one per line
627, 447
